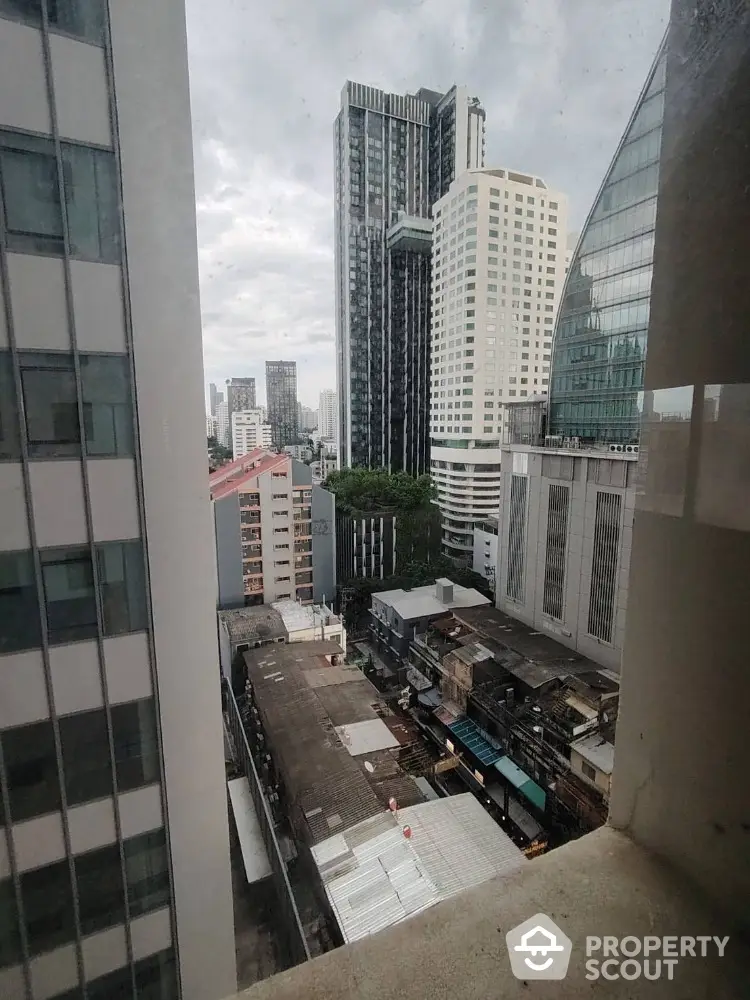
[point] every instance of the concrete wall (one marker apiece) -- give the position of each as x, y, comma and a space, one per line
150, 61
228, 538
485, 551
572, 629
602, 780
268, 484
324, 544
680, 781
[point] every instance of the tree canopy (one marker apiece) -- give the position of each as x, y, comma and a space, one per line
369, 490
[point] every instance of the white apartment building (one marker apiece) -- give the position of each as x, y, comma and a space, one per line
114, 845
249, 431
498, 269
223, 435
327, 410
274, 531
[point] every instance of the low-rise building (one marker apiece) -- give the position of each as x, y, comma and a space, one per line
397, 614
249, 431
524, 710
246, 628
593, 758
274, 532
347, 776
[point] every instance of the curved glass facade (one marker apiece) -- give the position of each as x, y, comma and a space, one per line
599, 348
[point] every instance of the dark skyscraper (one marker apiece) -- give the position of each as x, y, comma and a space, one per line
281, 400
395, 155
240, 396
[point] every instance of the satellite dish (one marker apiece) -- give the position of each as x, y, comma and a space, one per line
369, 767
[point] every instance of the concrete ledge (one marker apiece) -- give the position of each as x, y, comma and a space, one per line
600, 884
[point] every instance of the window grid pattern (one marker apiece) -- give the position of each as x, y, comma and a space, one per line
604, 565
600, 336
66, 241
553, 595
517, 538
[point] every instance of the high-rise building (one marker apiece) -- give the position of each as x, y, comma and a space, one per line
567, 509
114, 847
307, 418
498, 273
214, 397
600, 338
249, 431
274, 531
240, 395
281, 400
395, 156
327, 414
223, 430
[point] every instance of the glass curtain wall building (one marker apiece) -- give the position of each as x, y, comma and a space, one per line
113, 812
281, 401
394, 156
600, 338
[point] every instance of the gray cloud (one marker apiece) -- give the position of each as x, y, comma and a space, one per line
558, 79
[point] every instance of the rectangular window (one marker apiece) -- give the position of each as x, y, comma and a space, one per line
50, 404
31, 769
101, 898
604, 565
107, 409
81, 18
48, 907
516, 537
85, 753
553, 597
136, 746
123, 586
20, 626
147, 871
10, 938
31, 195
588, 770
9, 440
69, 594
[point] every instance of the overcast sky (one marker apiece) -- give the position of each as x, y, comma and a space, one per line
557, 78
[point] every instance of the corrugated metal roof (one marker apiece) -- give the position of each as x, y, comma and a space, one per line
375, 877
366, 737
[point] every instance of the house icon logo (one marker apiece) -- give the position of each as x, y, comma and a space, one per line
538, 949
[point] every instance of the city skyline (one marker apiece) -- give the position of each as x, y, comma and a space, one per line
265, 219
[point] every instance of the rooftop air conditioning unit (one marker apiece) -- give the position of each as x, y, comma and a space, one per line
553, 441
617, 447
631, 449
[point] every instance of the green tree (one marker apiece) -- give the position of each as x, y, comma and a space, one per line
218, 454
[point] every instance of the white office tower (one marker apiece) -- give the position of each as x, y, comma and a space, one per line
114, 848
498, 269
249, 431
327, 414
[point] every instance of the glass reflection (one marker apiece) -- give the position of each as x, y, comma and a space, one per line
600, 339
